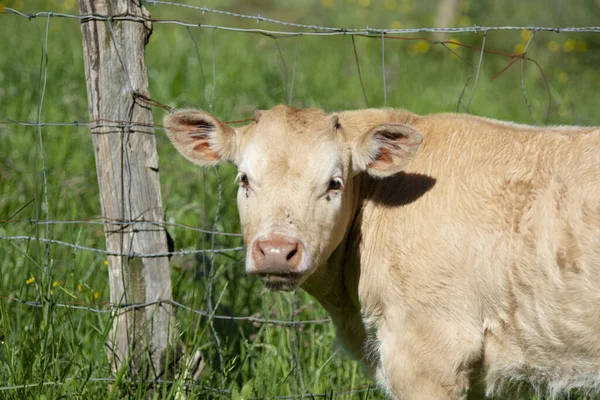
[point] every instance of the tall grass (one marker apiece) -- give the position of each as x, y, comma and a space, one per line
53, 352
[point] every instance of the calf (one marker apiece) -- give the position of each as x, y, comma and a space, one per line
448, 249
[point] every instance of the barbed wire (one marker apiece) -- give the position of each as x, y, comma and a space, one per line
318, 30
120, 254
107, 221
110, 308
260, 18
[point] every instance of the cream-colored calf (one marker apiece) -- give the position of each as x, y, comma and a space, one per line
449, 249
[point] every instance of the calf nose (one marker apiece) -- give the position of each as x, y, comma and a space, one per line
276, 255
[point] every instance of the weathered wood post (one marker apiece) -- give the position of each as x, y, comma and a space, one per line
447, 13
127, 167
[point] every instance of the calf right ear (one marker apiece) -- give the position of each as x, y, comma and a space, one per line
200, 137
386, 149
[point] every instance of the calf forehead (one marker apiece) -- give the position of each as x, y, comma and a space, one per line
291, 142
311, 163
285, 124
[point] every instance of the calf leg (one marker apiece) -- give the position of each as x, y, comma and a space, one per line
425, 364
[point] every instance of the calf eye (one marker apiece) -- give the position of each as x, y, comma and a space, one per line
335, 184
242, 178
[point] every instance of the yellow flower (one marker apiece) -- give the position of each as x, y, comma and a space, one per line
520, 48
526, 35
327, 3
79, 287
563, 77
396, 25
51, 291
569, 45
105, 261
422, 46
55, 283
30, 280
364, 3
96, 295
553, 46
582, 46
391, 5
452, 45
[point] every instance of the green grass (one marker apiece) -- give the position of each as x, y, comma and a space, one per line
52, 352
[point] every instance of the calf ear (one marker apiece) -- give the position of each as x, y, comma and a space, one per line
200, 137
386, 149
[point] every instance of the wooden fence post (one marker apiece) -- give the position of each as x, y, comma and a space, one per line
127, 167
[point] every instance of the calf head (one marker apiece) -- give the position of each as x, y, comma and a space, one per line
295, 174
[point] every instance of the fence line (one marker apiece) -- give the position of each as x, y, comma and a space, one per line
382, 34
329, 30
109, 308
95, 221
121, 254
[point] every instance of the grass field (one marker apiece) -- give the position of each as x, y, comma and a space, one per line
52, 352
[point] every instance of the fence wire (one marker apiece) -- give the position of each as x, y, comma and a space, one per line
209, 228
311, 30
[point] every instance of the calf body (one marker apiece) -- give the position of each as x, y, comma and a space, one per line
450, 250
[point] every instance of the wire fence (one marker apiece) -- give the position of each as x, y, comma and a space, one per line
287, 30
310, 30
314, 30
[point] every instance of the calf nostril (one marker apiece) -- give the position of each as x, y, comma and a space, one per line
292, 254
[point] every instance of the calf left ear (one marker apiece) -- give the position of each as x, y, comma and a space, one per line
200, 137
386, 149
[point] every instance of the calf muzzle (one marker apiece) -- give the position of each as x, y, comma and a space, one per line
276, 256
